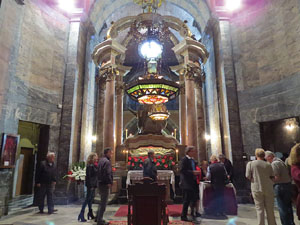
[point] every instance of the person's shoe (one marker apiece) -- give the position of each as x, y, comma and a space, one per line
90, 215
81, 217
197, 214
53, 211
41, 211
184, 218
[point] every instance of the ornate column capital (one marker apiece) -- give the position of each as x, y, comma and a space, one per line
108, 73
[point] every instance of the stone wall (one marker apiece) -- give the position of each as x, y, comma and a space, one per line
5, 189
33, 42
266, 44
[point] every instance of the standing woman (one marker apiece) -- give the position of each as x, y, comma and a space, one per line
91, 184
294, 162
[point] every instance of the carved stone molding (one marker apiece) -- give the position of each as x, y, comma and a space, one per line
108, 73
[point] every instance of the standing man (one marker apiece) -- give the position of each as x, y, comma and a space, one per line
149, 167
45, 180
188, 181
261, 175
105, 180
217, 174
282, 188
228, 166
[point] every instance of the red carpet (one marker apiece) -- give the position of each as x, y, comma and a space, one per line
170, 223
173, 210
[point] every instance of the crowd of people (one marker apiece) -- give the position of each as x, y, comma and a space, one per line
269, 176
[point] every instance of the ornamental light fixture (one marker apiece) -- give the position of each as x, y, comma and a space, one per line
150, 49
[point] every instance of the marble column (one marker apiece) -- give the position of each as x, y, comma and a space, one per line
119, 114
191, 108
182, 111
202, 154
100, 115
109, 112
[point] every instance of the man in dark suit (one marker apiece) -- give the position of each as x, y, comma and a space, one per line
218, 176
188, 180
45, 180
149, 169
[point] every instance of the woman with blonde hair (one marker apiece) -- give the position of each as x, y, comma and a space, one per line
294, 162
91, 184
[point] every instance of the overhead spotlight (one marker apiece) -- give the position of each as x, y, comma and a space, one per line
233, 5
290, 127
67, 5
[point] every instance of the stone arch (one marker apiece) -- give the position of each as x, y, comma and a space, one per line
102, 9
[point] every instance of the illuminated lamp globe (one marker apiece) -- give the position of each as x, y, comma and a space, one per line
151, 49
159, 116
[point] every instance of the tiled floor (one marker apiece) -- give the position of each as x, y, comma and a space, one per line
67, 215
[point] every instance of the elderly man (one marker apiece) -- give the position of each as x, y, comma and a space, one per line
261, 175
45, 180
282, 188
149, 169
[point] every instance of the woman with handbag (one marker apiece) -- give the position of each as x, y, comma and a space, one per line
91, 184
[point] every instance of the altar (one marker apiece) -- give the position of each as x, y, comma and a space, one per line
166, 177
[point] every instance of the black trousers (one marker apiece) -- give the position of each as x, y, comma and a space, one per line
45, 189
104, 194
89, 198
189, 198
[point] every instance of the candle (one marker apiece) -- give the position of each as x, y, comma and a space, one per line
126, 133
175, 133
176, 155
126, 156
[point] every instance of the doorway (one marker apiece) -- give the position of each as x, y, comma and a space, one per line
280, 136
34, 140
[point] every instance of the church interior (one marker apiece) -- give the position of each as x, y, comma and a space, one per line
77, 76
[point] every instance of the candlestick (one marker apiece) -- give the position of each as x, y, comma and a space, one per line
175, 133
126, 156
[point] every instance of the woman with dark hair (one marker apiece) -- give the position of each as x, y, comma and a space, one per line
91, 184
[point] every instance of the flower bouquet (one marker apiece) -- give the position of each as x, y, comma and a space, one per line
77, 172
162, 162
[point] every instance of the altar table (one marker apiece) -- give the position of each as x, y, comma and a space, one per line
206, 194
166, 177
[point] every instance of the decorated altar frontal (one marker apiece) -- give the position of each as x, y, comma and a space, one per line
166, 177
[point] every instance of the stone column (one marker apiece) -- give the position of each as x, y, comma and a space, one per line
202, 154
182, 111
109, 111
100, 114
119, 114
191, 107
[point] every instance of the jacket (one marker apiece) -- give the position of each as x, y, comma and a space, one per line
105, 175
45, 173
150, 169
218, 175
188, 180
91, 176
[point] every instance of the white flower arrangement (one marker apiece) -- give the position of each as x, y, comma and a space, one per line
77, 173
